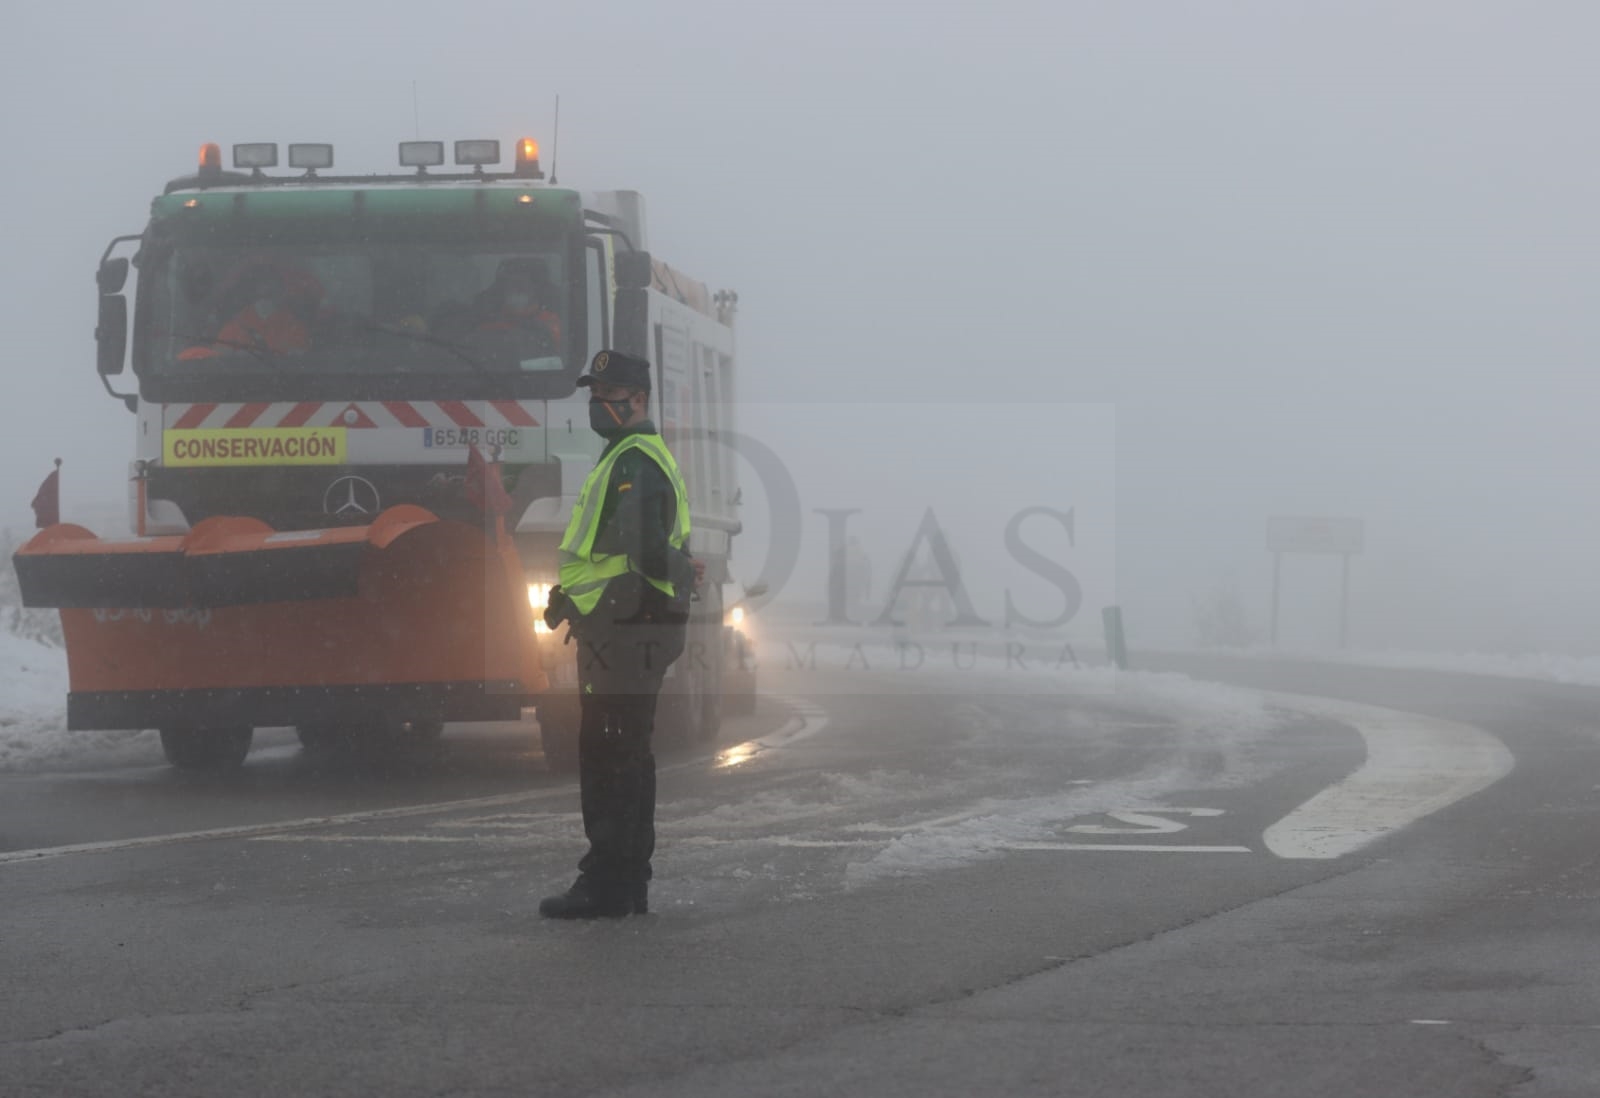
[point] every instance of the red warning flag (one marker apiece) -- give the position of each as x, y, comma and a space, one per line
484, 487
47, 500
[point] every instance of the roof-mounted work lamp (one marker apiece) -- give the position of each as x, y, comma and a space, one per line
261, 154
310, 157
477, 153
421, 155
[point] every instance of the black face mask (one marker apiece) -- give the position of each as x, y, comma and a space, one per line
608, 416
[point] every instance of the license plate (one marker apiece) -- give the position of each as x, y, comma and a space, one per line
447, 438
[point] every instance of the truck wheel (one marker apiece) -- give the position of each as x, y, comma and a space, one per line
558, 731
207, 749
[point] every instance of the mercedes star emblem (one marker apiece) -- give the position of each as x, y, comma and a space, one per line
350, 496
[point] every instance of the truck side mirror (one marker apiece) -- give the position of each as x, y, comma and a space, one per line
112, 275
630, 331
634, 270
111, 333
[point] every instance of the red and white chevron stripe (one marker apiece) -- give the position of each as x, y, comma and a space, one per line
353, 414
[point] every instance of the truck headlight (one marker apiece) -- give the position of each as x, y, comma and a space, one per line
539, 598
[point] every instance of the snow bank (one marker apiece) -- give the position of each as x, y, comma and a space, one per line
33, 716
1542, 666
1536, 666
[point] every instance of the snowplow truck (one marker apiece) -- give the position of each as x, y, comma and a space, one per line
326, 374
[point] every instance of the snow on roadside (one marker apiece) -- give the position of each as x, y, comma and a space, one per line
1535, 666
863, 668
1541, 666
33, 716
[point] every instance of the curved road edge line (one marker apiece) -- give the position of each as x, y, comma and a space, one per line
1415, 766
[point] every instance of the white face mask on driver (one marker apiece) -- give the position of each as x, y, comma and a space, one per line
517, 302
266, 306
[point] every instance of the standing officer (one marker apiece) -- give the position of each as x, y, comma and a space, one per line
626, 578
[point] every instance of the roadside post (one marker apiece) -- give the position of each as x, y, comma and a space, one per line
1116, 642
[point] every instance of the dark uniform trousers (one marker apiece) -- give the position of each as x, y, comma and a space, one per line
624, 649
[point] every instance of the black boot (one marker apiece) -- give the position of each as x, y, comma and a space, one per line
587, 900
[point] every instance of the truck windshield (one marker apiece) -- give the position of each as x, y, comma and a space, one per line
355, 308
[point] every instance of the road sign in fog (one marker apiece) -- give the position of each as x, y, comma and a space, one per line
1341, 537
1304, 534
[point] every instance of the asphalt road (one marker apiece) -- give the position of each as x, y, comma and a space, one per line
880, 884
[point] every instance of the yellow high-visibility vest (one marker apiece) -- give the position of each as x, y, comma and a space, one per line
585, 573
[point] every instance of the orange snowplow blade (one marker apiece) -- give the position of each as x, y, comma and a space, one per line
410, 618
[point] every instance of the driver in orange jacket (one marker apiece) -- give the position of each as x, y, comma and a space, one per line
516, 302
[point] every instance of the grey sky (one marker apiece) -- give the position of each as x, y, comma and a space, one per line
1323, 258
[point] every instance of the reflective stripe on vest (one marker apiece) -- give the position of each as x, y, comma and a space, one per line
584, 574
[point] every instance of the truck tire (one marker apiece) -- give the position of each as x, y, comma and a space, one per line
212, 750
558, 731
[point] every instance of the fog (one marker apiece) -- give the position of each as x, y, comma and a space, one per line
1326, 260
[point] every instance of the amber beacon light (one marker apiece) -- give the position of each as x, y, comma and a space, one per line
528, 159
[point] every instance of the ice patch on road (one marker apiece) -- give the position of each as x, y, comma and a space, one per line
1220, 732
822, 794
33, 716
951, 845
861, 828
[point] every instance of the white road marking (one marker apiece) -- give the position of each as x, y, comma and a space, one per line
248, 831
1138, 848
807, 721
479, 840
1149, 821
1415, 766
826, 844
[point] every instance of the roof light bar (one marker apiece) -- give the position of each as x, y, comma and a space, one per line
477, 153
421, 154
310, 156
261, 154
